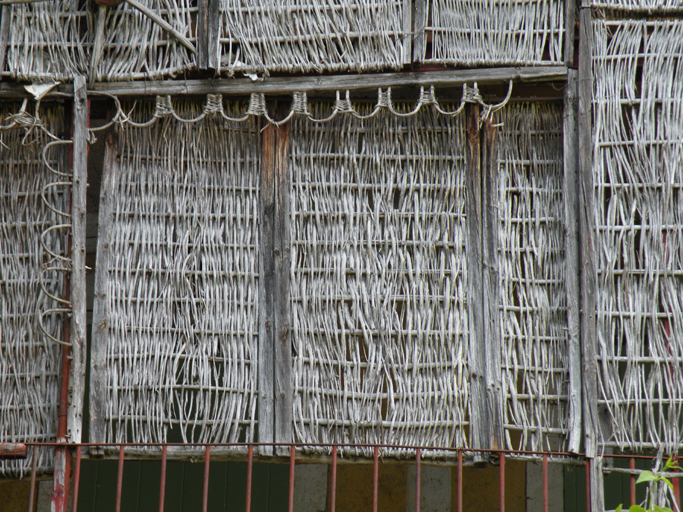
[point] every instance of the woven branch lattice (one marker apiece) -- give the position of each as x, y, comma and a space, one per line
649, 6
535, 372
29, 361
291, 36
379, 315
182, 282
638, 179
495, 32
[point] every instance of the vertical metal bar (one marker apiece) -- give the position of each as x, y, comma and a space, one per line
459, 480
34, 467
588, 485
375, 478
250, 465
77, 479
545, 482
333, 478
418, 479
632, 478
119, 481
677, 489
292, 455
205, 493
162, 483
501, 483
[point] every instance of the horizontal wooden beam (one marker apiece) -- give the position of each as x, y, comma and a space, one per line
331, 83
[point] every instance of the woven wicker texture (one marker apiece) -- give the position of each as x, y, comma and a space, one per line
638, 179
29, 361
182, 282
378, 280
314, 36
534, 356
47, 40
650, 6
494, 32
136, 47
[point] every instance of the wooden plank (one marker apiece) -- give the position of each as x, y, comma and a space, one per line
202, 31
267, 285
331, 83
282, 257
571, 229
408, 32
587, 239
5, 18
100, 320
419, 31
479, 431
491, 285
78, 293
213, 39
570, 14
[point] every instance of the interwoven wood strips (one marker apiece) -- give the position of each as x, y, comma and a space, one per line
638, 180
135, 47
261, 36
649, 6
182, 282
535, 361
47, 40
29, 361
494, 32
378, 281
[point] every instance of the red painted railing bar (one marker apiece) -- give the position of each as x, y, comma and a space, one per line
418, 479
162, 484
677, 490
459, 480
333, 480
375, 478
292, 460
12, 451
501, 483
545, 482
205, 493
632, 465
77, 479
250, 467
34, 468
119, 481
588, 485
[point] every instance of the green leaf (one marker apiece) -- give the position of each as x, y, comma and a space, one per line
646, 476
662, 509
636, 508
618, 509
666, 481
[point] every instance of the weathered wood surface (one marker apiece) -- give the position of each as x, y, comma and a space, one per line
587, 234
331, 83
570, 186
208, 21
77, 292
5, 15
100, 321
479, 430
267, 284
491, 284
570, 15
419, 33
281, 305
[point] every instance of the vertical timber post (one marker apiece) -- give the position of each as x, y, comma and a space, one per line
571, 209
78, 299
100, 319
479, 430
491, 284
5, 18
208, 26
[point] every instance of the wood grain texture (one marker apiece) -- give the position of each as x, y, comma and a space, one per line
78, 298
571, 203
100, 321
5, 18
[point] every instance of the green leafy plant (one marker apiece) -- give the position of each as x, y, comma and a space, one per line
654, 479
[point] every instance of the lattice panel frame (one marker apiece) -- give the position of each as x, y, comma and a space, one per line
378, 281
176, 324
29, 360
638, 185
495, 32
533, 272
